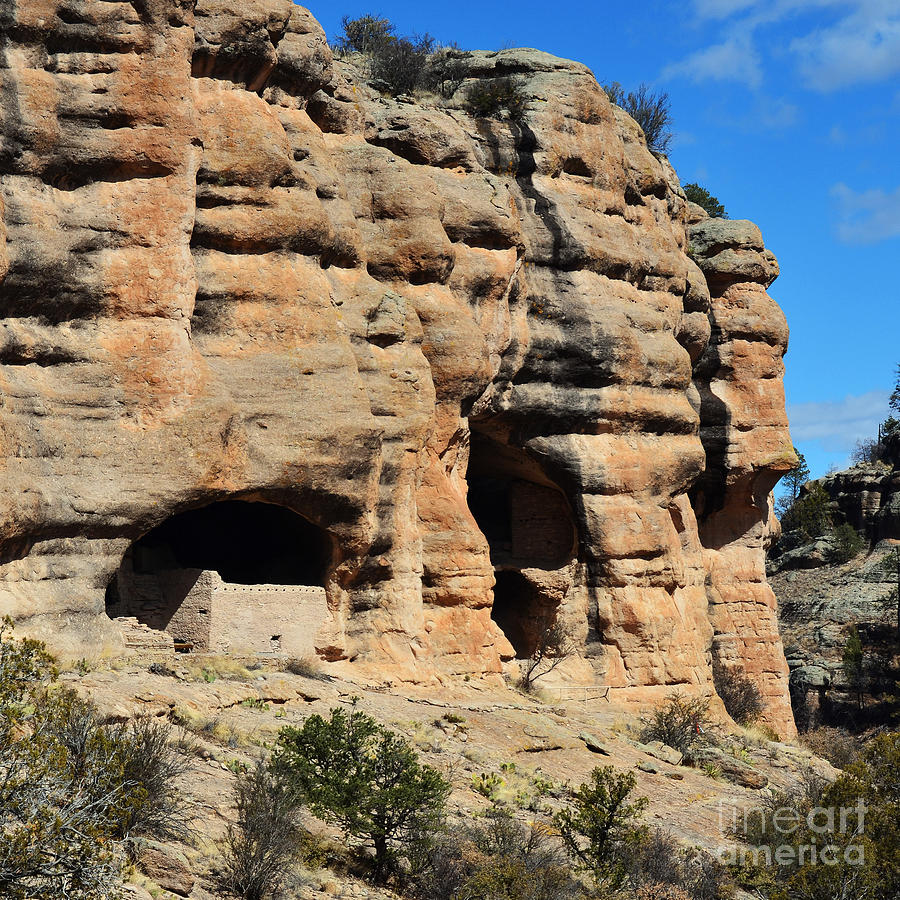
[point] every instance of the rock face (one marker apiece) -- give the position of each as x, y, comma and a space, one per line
496, 368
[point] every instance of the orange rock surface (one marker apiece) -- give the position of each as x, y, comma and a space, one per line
467, 350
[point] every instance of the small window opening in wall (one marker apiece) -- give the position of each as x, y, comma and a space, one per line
276, 637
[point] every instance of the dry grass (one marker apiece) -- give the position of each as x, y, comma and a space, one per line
209, 668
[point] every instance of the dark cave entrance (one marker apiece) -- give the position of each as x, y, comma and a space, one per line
528, 525
176, 577
520, 611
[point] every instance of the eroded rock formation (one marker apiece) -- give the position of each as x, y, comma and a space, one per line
467, 350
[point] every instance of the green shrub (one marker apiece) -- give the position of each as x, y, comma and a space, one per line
600, 829
679, 722
71, 787
810, 514
260, 847
496, 858
741, 696
702, 197
863, 851
848, 542
364, 34
355, 773
649, 109
400, 63
488, 99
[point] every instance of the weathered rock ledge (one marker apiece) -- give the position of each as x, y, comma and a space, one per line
491, 364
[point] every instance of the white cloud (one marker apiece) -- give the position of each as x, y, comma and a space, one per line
863, 46
838, 424
721, 9
867, 217
858, 43
734, 60
776, 114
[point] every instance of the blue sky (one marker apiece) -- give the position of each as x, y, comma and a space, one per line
789, 112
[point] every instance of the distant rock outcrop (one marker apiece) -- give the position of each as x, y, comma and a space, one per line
498, 370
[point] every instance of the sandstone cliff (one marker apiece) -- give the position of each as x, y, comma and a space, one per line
496, 366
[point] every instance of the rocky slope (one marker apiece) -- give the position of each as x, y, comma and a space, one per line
494, 365
529, 753
821, 599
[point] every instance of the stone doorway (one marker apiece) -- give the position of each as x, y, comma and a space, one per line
234, 576
531, 532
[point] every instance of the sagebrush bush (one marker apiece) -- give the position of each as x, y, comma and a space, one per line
307, 666
742, 698
679, 723
660, 864
490, 98
260, 847
367, 780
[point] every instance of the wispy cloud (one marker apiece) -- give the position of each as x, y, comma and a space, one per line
858, 43
863, 46
721, 9
867, 217
734, 60
838, 424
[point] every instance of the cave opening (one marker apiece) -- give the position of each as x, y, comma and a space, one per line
519, 611
529, 528
218, 574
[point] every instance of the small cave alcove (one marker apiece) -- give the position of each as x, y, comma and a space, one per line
231, 574
528, 525
521, 612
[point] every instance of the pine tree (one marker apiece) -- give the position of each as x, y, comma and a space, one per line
792, 482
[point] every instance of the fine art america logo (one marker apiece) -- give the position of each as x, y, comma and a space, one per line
785, 837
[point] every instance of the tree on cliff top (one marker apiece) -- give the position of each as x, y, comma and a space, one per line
702, 197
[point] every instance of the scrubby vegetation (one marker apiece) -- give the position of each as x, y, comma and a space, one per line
398, 63
601, 830
702, 197
650, 109
73, 788
741, 696
367, 780
680, 722
260, 847
491, 98
829, 841
491, 859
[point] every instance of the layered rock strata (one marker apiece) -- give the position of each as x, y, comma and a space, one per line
483, 358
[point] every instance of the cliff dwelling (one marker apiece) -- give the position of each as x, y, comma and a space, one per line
228, 576
530, 529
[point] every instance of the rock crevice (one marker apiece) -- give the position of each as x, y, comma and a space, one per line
470, 350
